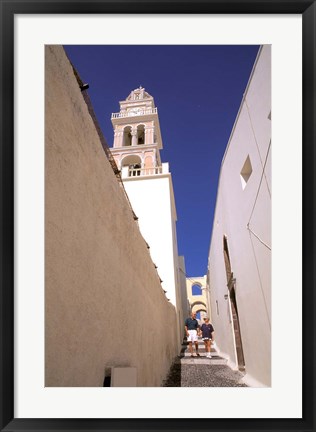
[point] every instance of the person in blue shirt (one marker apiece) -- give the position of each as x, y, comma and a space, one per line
207, 335
191, 329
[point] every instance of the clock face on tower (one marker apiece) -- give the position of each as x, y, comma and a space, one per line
135, 111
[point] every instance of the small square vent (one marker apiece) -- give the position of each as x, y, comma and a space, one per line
246, 172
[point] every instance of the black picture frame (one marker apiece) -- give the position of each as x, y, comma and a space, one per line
11, 7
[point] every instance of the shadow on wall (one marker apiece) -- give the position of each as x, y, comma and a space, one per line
174, 376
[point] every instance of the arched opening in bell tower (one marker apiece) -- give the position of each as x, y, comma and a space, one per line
134, 164
140, 134
127, 136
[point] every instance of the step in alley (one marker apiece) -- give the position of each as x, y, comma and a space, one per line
201, 371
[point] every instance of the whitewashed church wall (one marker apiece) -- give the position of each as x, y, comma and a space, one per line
183, 291
153, 203
104, 304
239, 210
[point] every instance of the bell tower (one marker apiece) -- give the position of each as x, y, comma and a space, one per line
137, 138
148, 184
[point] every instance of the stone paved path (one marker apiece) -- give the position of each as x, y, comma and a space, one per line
201, 371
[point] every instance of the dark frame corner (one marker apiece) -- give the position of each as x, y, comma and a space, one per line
8, 8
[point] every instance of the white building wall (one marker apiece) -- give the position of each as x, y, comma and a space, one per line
150, 199
185, 309
153, 203
244, 216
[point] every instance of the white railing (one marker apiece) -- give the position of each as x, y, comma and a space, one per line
129, 171
135, 113
133, 172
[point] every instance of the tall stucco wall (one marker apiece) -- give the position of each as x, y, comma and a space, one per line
243, 216
104, 305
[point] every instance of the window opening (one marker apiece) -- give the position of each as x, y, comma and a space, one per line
140, 134
246, 172
127, 138
196, 289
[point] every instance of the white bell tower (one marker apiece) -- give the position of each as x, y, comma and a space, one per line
137, 138
148, 183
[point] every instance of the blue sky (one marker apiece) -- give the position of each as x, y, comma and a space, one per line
198, 90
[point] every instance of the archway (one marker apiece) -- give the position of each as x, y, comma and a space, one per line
127, 136
134, 164
140, 134
200, 313
198, 307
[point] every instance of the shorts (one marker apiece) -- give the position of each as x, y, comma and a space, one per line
206, 338
193, 337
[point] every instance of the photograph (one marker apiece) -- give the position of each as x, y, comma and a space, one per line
158, 216
138, 219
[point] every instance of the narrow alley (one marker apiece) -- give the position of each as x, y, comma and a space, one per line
111, 242
201, 371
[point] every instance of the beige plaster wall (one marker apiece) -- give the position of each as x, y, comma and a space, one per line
104, 305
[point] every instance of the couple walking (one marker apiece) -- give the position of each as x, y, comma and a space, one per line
193, 330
